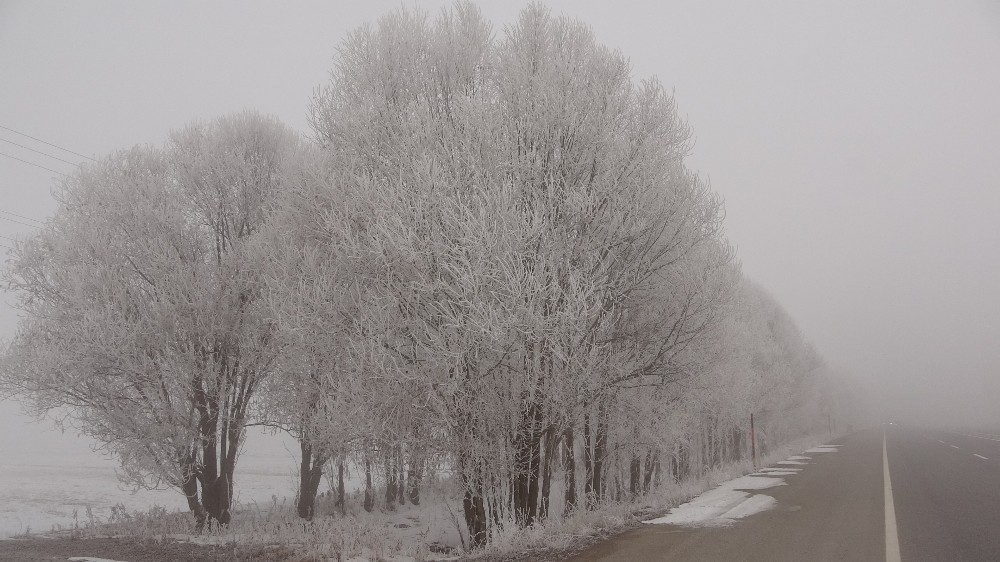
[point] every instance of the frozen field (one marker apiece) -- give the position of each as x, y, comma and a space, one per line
42, 492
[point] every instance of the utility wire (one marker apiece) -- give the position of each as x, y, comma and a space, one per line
8, 238
6, 246
18, 222
48, 143
21, 217
40, 152
33, 164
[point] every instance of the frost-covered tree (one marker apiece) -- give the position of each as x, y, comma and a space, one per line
140, 304
493, 256
319, 395
520, 205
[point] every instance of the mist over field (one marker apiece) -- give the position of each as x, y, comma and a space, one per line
542, 256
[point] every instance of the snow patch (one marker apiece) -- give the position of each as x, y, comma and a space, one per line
798, 458
754, 504
704, 510
777, 473
723, 504
822, 449
89, 559
791, 462
753, 483
781, 468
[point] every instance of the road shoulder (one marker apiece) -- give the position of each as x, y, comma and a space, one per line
831, 511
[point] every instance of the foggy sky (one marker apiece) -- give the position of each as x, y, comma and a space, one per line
856, 144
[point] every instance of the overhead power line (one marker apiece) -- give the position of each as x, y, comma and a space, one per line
48, 143
8, 238
33, 164
40, 152
18, 222
21, 217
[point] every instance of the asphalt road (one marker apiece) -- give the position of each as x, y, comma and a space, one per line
947, 498
945, 488
831, 511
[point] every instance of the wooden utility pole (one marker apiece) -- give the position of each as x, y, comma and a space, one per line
753, 442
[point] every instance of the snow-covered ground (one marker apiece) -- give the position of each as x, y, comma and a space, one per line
789, 472
735, 499
724, 504
36, 497
40, 492
823, 449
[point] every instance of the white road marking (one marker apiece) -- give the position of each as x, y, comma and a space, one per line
891, 536
987, 436
980, 456
954, 446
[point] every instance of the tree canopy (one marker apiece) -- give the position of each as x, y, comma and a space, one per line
493, 256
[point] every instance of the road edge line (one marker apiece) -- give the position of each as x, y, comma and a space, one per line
891, 536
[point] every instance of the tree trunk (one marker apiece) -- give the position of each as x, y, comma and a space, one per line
369, 497
473, 507
634, 473
675, 465
190, 489
216, 484
533, 474
475, 518
703, 465
414, 474
570, 467
216, 477
215, 496
340, 488
551, 441
588, 463
600, 452
401, 486
390, 481
527, 457
650, 467
310, 475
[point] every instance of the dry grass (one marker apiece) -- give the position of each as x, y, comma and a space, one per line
431, 531
560, 537
274, 532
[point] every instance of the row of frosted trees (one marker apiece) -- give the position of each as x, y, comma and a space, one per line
490, 255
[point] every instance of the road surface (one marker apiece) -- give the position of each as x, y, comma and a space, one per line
944, 493
946, 488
